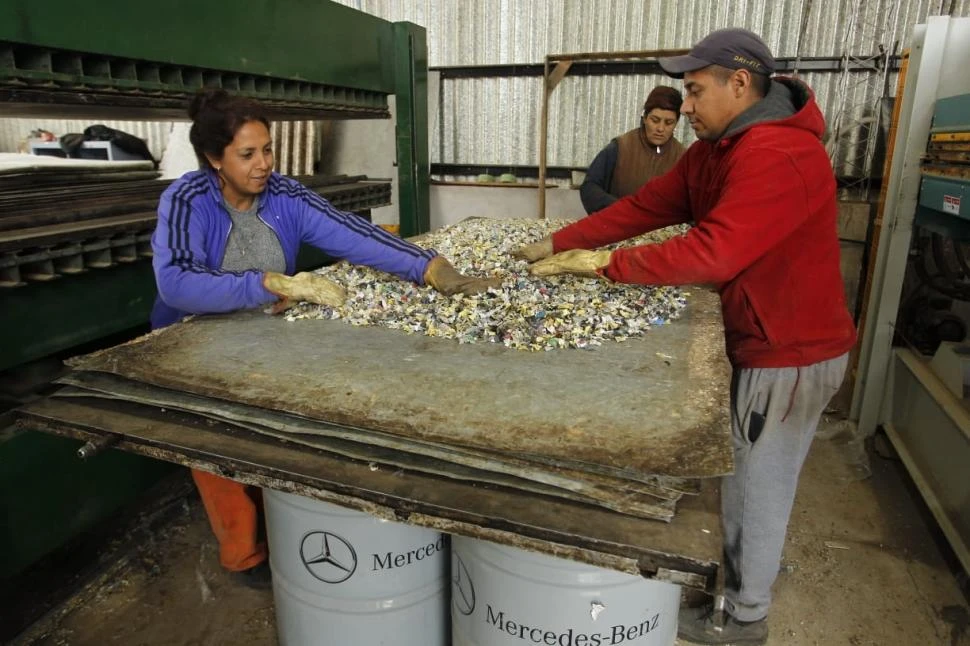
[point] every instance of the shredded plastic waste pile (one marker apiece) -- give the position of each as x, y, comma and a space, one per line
527, 313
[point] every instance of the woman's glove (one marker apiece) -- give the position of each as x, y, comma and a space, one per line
446, 279
305, 286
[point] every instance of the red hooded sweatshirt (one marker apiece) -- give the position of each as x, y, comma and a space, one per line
762, 199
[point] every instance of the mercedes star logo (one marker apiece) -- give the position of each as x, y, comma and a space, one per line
328, 557
462, 588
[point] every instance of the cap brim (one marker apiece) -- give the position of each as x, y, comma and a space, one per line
676, 66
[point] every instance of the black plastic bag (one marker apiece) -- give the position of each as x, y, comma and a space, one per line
129, 143
71, 143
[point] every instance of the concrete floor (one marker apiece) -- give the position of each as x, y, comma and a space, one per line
861, 567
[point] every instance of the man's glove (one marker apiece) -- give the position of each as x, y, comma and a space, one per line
446, 279
534, 251
305, 286
579, 262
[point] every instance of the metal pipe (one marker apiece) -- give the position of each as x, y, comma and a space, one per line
93, 447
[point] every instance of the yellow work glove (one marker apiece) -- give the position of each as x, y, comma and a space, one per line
579, 262
446, 279
534, 251
305, 286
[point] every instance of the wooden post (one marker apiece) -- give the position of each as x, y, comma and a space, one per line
848, 388
549, 83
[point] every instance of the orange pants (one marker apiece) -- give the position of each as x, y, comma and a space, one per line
234, 514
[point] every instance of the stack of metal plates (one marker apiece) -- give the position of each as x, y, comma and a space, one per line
625, 427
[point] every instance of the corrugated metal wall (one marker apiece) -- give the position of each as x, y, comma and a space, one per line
495, 121
295, 146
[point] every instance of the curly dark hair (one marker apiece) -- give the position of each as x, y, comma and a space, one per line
216, 117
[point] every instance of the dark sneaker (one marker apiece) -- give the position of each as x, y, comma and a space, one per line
696, 625
258, 577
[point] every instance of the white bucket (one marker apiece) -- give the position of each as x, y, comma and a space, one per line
343, 577
503, 596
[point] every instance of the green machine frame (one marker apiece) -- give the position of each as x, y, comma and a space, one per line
304, 59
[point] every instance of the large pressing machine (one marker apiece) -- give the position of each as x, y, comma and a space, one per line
68, 279
462, 438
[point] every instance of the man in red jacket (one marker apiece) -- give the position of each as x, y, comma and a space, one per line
761, 193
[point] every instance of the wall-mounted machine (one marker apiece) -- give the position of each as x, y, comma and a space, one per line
915, 388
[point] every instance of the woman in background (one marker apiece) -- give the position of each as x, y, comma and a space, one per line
637, 156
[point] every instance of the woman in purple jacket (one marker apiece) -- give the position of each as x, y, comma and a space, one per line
227, 239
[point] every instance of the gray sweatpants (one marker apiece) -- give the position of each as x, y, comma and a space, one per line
774, 414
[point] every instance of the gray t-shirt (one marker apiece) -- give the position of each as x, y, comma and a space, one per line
252, 244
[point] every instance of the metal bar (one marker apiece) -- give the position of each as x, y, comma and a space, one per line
39, 228
97, 446
802, 23
642, 67
411, 82
559, 172
596, 56
543, 139
25, 211
82, 103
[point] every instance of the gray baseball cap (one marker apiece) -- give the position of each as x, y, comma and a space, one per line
731, 48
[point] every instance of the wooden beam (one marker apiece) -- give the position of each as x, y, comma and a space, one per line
557, 74
851, 374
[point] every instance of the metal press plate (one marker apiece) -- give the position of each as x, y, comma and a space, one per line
656, 405
685, 551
